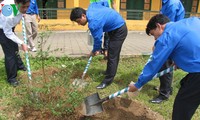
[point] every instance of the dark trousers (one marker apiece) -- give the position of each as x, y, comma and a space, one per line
166, 80
188, 98
117, 38
13, 61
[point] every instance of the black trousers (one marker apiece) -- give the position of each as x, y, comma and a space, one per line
116, 40
166, 80
13, 61
188, 98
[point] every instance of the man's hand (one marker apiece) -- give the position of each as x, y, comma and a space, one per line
95, 53
176, 67
38, 17
132, 88
24, 47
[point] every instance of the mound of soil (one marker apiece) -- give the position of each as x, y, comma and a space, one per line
125, 109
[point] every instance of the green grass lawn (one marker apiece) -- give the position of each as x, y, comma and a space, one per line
51, 91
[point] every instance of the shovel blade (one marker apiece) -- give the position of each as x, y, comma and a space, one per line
79, 83
92, 105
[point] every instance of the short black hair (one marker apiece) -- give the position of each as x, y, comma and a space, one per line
76, 13
22, 1
158, 18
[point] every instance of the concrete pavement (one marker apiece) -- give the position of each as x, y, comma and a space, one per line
74, 44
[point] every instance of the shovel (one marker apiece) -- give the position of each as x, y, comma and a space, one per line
81, 82
34, 95
93, 103
26, 53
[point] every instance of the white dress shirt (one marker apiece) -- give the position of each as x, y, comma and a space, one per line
7, 23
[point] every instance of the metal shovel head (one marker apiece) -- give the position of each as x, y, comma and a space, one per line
92, 105
79, 83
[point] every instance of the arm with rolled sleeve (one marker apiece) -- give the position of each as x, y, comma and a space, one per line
162, 51
36, 8
37, 11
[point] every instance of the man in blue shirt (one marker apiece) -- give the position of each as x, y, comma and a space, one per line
174, 10
179, 41
103, 19
31, 24
110, 4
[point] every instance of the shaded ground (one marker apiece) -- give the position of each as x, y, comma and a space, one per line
116, 109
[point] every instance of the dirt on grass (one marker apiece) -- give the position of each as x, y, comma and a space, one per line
125, 109
115, 109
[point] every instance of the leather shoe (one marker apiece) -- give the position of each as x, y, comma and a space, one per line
14, 83
102, 86
158, 99
23, 69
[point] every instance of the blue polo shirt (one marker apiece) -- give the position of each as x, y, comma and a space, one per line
33, 8
173, 9
102, 19
180, 41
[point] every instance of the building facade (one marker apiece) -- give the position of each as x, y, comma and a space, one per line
129, 9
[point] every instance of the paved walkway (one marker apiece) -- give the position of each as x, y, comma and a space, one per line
74, 44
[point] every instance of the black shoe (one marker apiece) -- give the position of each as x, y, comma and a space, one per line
102, 86
23, 68
158, 99
14, 83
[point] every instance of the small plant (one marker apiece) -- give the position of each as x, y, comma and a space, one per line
58, 99
42, 54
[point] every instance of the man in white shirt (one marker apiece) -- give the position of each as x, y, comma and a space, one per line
10, 16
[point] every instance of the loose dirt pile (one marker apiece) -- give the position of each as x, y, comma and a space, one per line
124, 109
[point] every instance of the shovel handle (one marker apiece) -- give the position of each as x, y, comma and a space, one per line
170, 69
87, 66
118, 93
26, 53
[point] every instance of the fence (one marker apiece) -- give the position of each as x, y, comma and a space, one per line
55, 13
